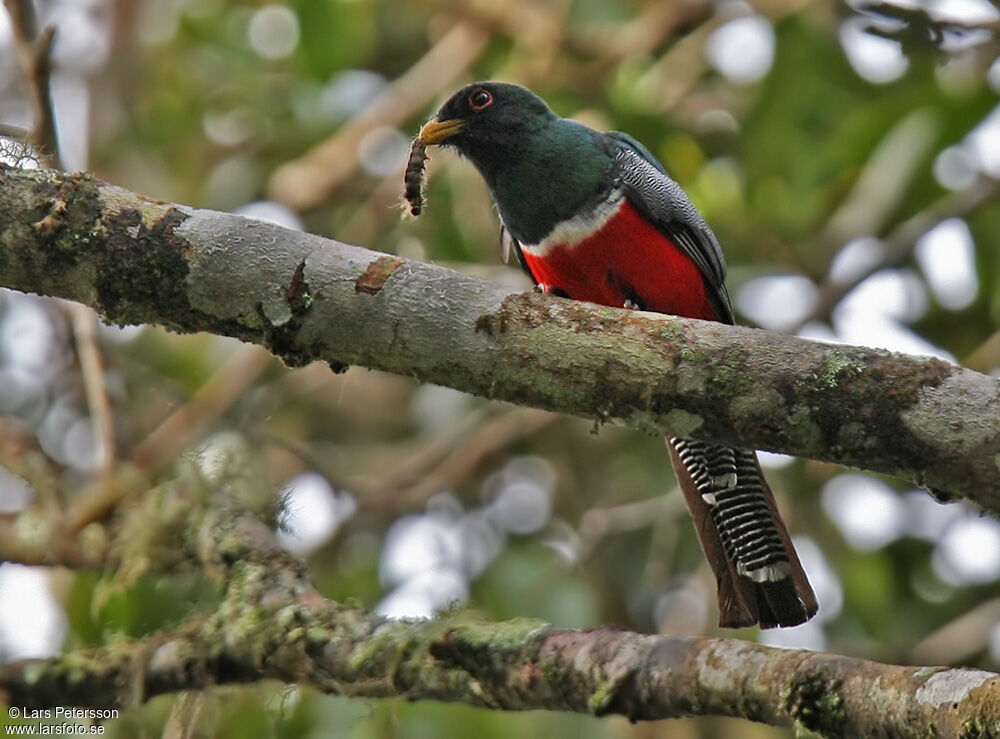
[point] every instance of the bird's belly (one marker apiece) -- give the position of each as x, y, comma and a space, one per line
627, 260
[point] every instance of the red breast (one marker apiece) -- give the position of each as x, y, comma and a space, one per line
625, 259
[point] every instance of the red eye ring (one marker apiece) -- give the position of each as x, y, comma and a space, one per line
480, 99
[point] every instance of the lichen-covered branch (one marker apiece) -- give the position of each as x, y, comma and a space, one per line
272, 624
143, 261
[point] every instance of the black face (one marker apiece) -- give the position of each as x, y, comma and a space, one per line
495, 118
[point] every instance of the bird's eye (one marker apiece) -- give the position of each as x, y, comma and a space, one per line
480, 99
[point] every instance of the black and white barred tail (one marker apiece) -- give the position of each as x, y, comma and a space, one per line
759, 575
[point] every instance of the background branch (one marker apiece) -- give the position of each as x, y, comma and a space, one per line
14, 132
271, 623
900, 242
307, 181
33, 59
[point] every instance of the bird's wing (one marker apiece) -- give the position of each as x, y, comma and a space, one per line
661, 200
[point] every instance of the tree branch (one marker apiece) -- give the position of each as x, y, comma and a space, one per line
138, 260
272, 624
10, 131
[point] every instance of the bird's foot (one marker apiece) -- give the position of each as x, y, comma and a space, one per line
630, 305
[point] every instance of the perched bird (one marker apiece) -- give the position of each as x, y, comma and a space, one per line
594, 216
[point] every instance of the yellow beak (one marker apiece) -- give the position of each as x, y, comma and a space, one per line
435, 131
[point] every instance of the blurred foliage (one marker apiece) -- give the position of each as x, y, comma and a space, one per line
187, 110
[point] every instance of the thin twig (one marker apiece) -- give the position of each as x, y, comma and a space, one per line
211, 400
33, 57
14, 132
678, 71
84, 323
96, 502
901, 242
878, 189
640, 35
304, 183
63, 551
22, 18
960, 639
445, 462
440, 468
986, 356
597, 523
919, 24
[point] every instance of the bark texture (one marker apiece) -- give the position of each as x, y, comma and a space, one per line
138, 260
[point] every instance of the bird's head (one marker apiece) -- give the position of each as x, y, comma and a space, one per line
487, 121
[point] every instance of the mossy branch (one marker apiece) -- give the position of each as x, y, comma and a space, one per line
137, 260
271, 624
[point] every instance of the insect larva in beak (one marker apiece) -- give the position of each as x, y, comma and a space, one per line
413, 178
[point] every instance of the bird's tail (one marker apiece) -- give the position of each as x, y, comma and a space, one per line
759, 575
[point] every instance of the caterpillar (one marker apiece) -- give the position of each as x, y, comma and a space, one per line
413, 177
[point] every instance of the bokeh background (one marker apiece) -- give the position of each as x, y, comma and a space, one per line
848, 158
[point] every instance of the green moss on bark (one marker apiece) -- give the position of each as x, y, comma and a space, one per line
815, 703
143, 271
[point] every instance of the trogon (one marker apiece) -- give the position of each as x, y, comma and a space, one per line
594, 216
